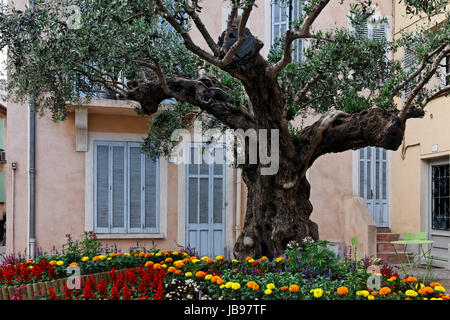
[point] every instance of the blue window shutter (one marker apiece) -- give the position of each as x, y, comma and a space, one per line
151, 196
102, 187
119, 187
135, 188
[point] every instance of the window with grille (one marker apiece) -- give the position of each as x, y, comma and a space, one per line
283, 14
440, 196
126, 189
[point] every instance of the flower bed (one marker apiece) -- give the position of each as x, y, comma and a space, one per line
307, 272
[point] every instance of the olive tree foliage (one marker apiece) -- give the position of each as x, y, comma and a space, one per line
120, 45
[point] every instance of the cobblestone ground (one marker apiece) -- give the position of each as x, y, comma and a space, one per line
439, 274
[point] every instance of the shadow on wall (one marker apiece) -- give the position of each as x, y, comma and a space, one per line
3, 229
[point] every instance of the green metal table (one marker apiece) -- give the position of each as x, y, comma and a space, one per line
426, 255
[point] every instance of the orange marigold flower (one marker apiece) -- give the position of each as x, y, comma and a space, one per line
193, 258
171, 269
148, 264
410, 279
385, 291
220, 281
374, 293
148, 255
214, 279
209, 260
118, 254
96, 258
168, 260
156, 266
200, 274
178, 264
248, 258
421, 291
283, 288
342, 291
250, 284
296, 288
255, 287
435, 284
408, 298
264, 258
178, 271
112, 255
428, 290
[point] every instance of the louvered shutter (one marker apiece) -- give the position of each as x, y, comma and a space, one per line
135, 183
119, 183
281, 18
151, 192
409, 59
101, 187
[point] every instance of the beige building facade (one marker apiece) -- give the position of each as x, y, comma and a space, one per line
76, 161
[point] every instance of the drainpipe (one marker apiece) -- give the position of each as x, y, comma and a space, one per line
31, 170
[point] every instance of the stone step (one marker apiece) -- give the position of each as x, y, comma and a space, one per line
387, 237
391, 257
388, 247
383, 230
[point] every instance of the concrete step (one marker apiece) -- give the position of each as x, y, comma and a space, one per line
387, 237
392, 258
388, 247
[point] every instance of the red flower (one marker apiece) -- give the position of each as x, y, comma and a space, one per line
114, 293
52, 294
126, 292
67, 293
101, 288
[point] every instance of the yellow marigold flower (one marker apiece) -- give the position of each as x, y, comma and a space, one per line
192, 258
363, 293
222, 286
439, 288
234, 260
235, 286
109, 258
60, 263
175, 253
318, 293
270, 286
84, 259
294, 288
195, 260
342, 291
188, 274
228, 284
164, 266
159, 254
126, 254
208, 277
370, 297
248, 258
279, 259
411, 293
204, 258
251, 260
420, 286
30, 261
102, 257
267, 291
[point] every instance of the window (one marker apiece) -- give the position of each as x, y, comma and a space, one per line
126, 189
283, 14
440, 195
409, 60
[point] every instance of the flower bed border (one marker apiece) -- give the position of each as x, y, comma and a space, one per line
32, 290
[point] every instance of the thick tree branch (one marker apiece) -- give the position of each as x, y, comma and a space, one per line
241, 36
302, 33
205, 33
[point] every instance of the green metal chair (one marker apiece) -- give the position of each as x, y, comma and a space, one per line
420, 239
